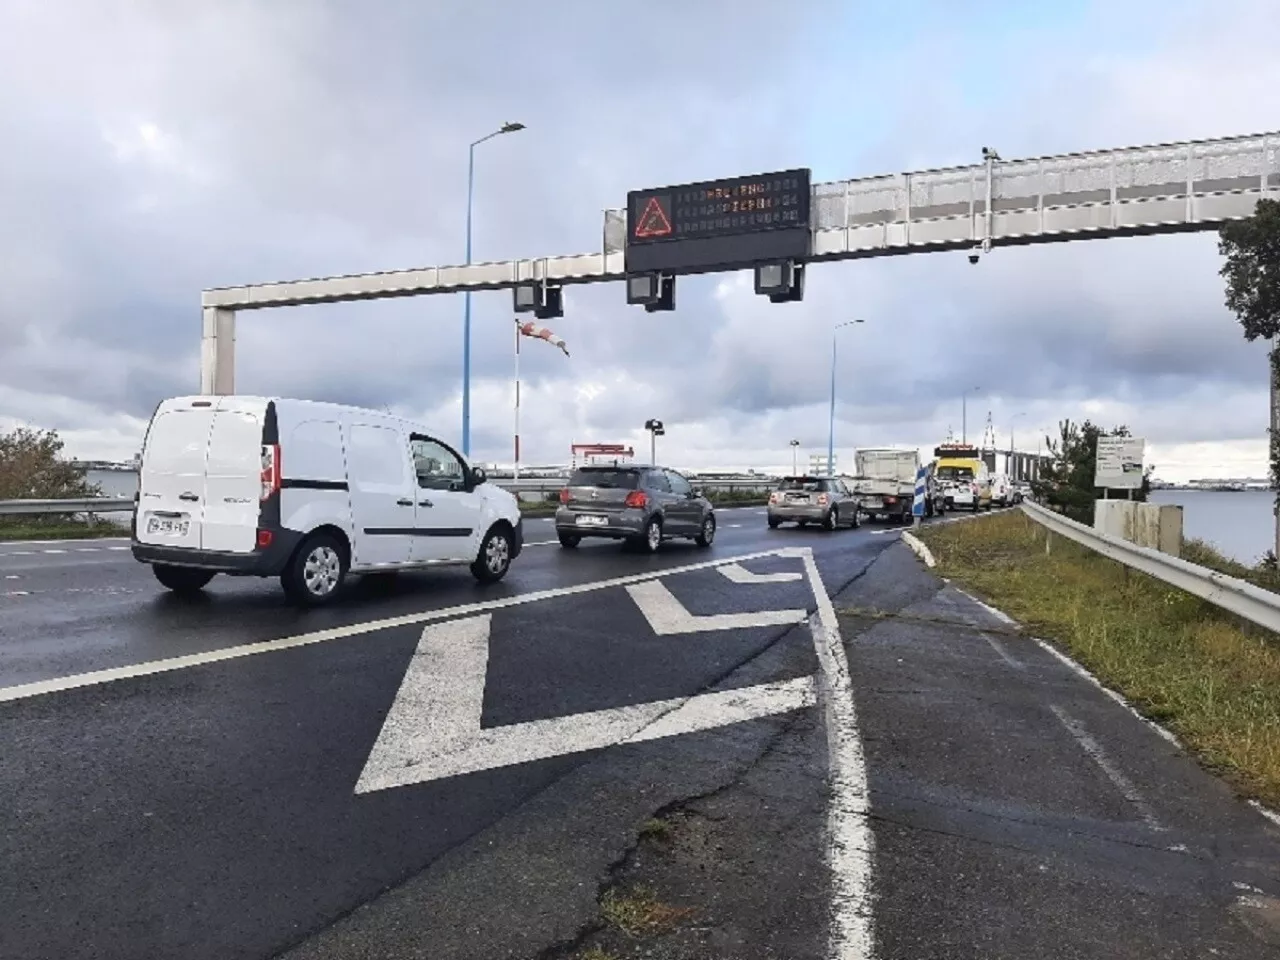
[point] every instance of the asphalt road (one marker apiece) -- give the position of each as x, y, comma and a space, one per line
435, 769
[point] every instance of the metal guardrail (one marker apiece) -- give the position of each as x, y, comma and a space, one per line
539, 485
1231, 594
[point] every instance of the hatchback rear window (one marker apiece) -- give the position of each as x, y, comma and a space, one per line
808, 484
605, 479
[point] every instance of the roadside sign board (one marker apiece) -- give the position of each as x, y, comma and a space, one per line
1119, 465
719, 224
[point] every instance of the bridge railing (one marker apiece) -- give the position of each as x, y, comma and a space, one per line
524, 488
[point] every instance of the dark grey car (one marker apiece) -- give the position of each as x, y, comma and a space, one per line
642, 505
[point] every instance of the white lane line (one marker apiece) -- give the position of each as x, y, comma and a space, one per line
16, 593
667, 615
998, 647
12, 576
734, 525
541, 543
850, 842
998, 614
1099, 756
117, 548
61, 543
740, 574
53, 551
41, 687
433, 728
1081, 671
1269, 814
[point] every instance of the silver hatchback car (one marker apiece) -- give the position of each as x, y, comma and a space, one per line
805, 500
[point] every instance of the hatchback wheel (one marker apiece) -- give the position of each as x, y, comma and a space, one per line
651, 539
569, 540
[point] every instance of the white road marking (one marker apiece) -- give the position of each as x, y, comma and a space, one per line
667, 615
998, 614
851, 845
42, 687
18, 553
1269, 814
919, 549
1099, 756
56, 543
18, 593
740, 574
433, 728
53, 551
998, 647
541, 543
117, 548
733, 524
12, 576
1081, 671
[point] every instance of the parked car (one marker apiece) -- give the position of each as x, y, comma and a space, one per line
310, 492
640, 505
805, 500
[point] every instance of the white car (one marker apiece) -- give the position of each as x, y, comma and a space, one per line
310, 492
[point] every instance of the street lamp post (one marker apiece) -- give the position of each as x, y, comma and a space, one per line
831, 425
795, 446
656, 429
466, 295
964, 414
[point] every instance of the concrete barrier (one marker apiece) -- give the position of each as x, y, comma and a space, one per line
1152, 525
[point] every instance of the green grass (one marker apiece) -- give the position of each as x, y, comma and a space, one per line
639, 913
60, 531
1201, 553
1209, 677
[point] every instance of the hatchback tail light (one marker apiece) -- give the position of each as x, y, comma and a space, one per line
564, 494
822, 499
773, 498
636, 498
270, 475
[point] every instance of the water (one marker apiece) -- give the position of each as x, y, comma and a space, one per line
1239, 525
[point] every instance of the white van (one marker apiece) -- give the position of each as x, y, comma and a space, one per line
309, 492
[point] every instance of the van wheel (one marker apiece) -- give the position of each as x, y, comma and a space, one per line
317, 572
181, 580
494, 559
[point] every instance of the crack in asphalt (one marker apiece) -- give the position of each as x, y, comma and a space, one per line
565, 948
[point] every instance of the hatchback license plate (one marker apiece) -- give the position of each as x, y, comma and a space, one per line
592, 521
168, 526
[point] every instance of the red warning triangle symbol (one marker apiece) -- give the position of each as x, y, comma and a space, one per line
654, 221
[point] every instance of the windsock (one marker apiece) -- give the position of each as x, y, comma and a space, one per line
541, 333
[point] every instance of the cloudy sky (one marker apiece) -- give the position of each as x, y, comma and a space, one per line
153, 148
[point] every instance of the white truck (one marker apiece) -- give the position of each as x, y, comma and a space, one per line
885, 483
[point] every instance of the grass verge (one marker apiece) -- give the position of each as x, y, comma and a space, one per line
60, 531
1210, 678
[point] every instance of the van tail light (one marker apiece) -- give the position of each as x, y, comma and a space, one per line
636, 498
822, 499
264, 539
564, 494
773, 497
890, 499
973, 487
270, 470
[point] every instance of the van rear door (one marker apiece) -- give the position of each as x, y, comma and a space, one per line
171, 481
233, 476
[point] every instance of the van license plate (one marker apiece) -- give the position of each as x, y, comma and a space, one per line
592, 521
167, 526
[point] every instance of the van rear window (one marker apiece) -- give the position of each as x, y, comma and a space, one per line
955, 473
605, 478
